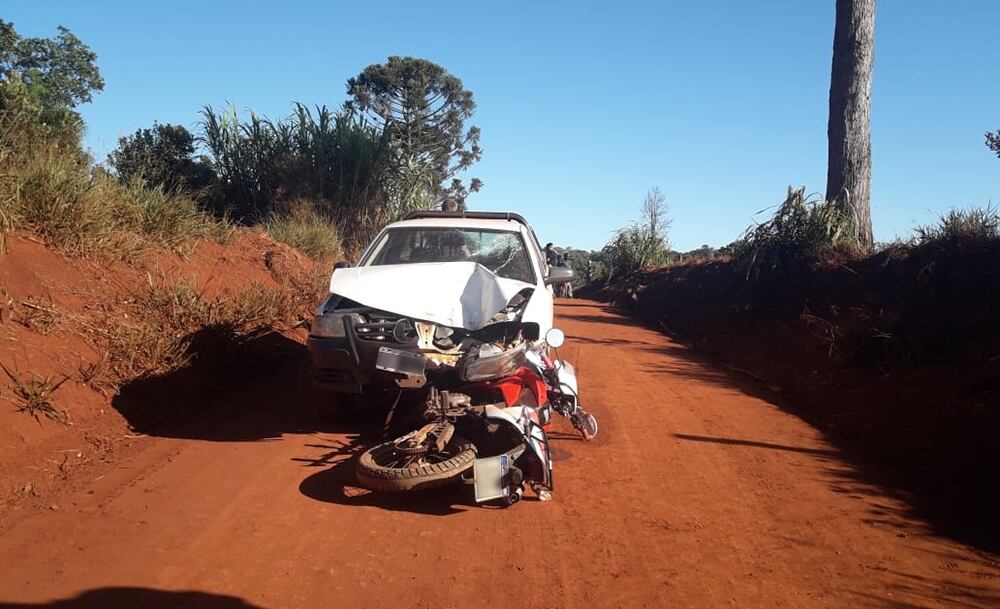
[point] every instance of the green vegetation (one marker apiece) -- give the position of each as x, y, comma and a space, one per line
56, 73
961, 227
395, 146
643, 244
50, 186
306, 231
422, 109
338, 163
993, 141
163, 156
34, 395
802, 228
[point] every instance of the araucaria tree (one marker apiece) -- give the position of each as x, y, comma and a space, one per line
423, 108
993, 141
849, 171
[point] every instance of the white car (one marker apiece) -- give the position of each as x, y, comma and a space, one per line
420, 285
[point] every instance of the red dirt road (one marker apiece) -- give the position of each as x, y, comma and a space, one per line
700, 492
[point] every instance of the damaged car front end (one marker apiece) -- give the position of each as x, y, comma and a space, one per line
355, 346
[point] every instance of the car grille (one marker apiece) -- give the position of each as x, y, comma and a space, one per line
377, 326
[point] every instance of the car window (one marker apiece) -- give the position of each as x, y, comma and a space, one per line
502, 252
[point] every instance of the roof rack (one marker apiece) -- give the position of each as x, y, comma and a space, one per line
482, 215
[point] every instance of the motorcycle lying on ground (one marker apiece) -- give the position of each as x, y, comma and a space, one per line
485, 418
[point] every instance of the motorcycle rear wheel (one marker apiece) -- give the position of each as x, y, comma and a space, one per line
383, 468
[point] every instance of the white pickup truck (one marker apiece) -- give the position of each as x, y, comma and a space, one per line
453, 271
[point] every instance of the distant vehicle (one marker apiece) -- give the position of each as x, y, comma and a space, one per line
422, 286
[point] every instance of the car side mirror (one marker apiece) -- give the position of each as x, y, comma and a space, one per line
342, 264
559, 274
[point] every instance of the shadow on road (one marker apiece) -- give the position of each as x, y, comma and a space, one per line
734, 442
859, 468
337, 484
139, 598
255, 390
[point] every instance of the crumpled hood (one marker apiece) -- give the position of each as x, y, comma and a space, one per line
454, 294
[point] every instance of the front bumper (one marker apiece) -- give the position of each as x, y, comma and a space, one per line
334, 365
346, 364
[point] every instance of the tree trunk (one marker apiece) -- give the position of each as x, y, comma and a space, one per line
849, 172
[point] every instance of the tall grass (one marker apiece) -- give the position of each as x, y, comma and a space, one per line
338, 162
800, 229
642, 244
307, 231
958, 227
50, 187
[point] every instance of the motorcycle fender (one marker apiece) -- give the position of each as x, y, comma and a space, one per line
521, 419
567, 378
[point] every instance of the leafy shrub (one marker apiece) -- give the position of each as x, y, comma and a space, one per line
801, 228
162, 156
957, 227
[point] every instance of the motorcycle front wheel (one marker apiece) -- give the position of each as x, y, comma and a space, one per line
385, 468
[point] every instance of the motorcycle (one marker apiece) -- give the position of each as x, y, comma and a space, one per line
484, 419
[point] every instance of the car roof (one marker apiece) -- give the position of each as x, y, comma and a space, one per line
487, 224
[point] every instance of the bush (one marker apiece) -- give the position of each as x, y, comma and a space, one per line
970, 226
642, 244
162, 156
306, 231
801, 229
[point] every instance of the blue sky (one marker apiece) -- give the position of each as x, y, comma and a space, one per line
585, 106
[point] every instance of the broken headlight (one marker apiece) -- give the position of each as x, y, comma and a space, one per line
328, 325
490, 362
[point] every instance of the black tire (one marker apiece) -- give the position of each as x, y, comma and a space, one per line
390, 479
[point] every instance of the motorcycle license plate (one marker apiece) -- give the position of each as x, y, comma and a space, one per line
401, 362
491, 474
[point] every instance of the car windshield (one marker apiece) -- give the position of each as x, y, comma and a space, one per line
502, 252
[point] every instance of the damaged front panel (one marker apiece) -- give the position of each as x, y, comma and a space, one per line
452, 294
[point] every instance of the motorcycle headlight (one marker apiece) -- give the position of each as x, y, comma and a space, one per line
486, 364
330, 325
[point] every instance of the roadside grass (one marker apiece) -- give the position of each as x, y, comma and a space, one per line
99, 375
167, 317
306, 231
971, 226
801, 228
51, 188
38, 314
34, 395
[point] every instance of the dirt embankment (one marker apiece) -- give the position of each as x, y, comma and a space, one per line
895, 357
85, 342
